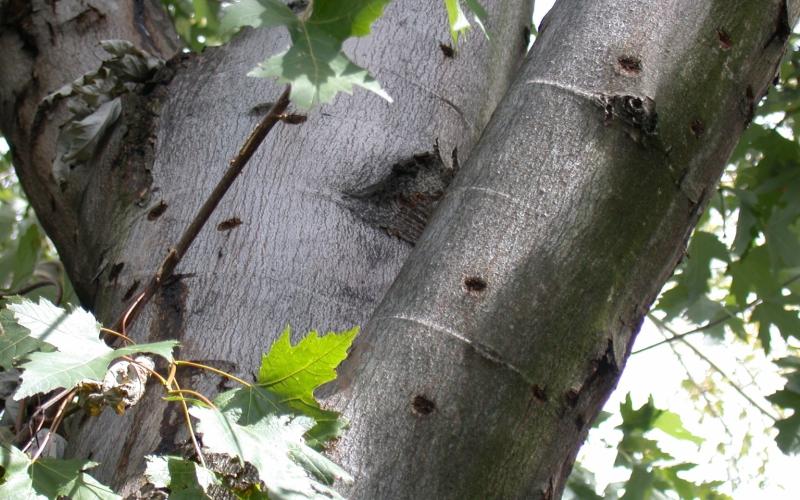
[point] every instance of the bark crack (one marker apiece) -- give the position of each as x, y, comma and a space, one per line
484, 351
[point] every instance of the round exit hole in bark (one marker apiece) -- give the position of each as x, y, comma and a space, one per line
475, 284
698, 128
725, 40
630, 65
422, 405
157, 211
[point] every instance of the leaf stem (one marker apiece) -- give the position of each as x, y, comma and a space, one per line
189, 425
191, 392
214, 370
117, 334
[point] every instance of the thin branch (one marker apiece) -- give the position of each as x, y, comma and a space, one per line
237, 164
59, 416
171, 261
127, 314
715, 322
25, 433
34, 286
714, 367
703, 392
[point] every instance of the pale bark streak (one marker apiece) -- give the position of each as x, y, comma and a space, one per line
486, 352
569, 89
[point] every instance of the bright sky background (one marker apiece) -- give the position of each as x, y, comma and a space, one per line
660, 373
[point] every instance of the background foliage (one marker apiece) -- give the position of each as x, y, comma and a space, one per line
729, 316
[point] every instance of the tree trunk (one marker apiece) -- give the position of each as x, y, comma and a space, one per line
482, 367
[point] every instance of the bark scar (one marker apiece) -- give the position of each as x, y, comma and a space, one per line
402, 202
484, 351
636, 113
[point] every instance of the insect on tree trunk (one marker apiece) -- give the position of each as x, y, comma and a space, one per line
495, 325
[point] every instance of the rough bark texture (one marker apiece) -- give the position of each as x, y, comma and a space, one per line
482, 368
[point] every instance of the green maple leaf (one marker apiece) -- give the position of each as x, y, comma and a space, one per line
458, 20
672, 424
767, 314
17, 482
251, 404
275, 446
56, 478
80, 353
75, 332
294, 372
184, 478
286, 382
314, 65
788, 398
49, 478
275, 424
15, 342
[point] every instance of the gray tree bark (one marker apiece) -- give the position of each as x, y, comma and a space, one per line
508, 321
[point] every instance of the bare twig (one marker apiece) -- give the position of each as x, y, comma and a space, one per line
33, 286
162, 275
118, 335
59, 416
26, 432
176, 253
703, 392
714, 322
714, 367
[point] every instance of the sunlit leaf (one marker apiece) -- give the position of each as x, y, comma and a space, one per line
15, 341
294, 372
49, 478
671, 423
185, 479
80, 352
275, 446
314, 65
